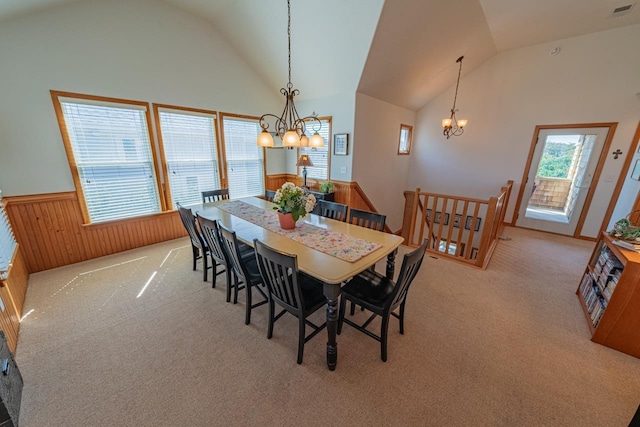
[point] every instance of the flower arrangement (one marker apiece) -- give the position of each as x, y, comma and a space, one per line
294, 200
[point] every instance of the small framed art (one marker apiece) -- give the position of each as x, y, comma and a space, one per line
636, 171
341, 144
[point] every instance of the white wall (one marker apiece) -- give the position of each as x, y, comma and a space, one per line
144, 50
379, 170
593, 79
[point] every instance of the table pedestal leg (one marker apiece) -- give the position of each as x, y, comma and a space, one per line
332, 292
391, 264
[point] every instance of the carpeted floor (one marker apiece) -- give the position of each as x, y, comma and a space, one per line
138, 339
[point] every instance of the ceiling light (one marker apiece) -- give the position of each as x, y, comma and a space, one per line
453, 126
289, 126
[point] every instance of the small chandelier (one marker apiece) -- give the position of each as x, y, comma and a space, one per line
289, 126
453, 126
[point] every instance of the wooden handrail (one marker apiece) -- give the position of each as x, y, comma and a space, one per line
479, 224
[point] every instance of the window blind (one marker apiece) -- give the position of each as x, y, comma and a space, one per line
7, 242
112, 152
189, 142
245, 165
319, 156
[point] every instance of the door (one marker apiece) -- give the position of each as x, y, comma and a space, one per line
560, 176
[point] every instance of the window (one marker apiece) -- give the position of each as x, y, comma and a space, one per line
404, 145
110, 154
319, 156
188, 138
7, 242
245, 160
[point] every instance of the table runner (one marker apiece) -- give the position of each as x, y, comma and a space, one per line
330, 242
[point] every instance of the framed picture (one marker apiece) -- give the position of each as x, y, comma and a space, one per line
429, 214
469, 221
404, 143
636, 171
436, 219
474, 252
341, 144
457, 220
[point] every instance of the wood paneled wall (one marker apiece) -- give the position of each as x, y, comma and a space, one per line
347, 193
12, 292
51, 233
50, 230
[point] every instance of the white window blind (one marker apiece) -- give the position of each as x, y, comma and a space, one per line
189, 142
7, 242
245, 166
112, 152
319, 156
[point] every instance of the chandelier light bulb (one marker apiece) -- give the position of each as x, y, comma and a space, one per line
291, 139
316, 141
304, 141
446, 123
265, 139
462, 123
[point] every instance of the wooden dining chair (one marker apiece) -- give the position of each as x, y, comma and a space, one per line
295, 292
245, 269
215, 195
380, 295
372, 220
198, 245
211, 234
333, 210
269, 195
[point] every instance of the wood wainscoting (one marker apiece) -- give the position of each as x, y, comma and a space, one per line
50, 231
347, 193
12, 292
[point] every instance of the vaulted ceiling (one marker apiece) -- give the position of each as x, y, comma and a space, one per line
399, 51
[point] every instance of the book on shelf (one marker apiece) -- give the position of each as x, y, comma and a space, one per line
627, 245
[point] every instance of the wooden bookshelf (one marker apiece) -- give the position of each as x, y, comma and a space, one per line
609, 294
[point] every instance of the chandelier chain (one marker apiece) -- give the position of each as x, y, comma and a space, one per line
289, 85
455, 97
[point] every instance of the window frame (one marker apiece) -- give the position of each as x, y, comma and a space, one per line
409, 129
223, 153
328, 146
222, 171
55, 96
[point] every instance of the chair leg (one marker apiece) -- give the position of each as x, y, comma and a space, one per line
205, 265
214, 271
247, 289
271, 319
352, 310
383, 335
195, 256
229, 284
236, 285
402, 318
343, 306
300, 338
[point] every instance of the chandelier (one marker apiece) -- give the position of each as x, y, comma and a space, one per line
453, 126
289, 126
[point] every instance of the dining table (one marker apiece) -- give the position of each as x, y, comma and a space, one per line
328, 250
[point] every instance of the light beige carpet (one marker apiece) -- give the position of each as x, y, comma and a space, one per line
138, 339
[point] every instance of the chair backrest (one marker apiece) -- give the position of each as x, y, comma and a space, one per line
189, 222
230, 245
333, 210
215, 195
211, 233
269, 195
410, 265
372, 220
280, 273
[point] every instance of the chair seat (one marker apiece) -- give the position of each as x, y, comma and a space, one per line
370, 288
252, 270
312, 293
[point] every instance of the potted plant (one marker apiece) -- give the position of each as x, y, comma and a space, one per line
292, 203
326, 187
